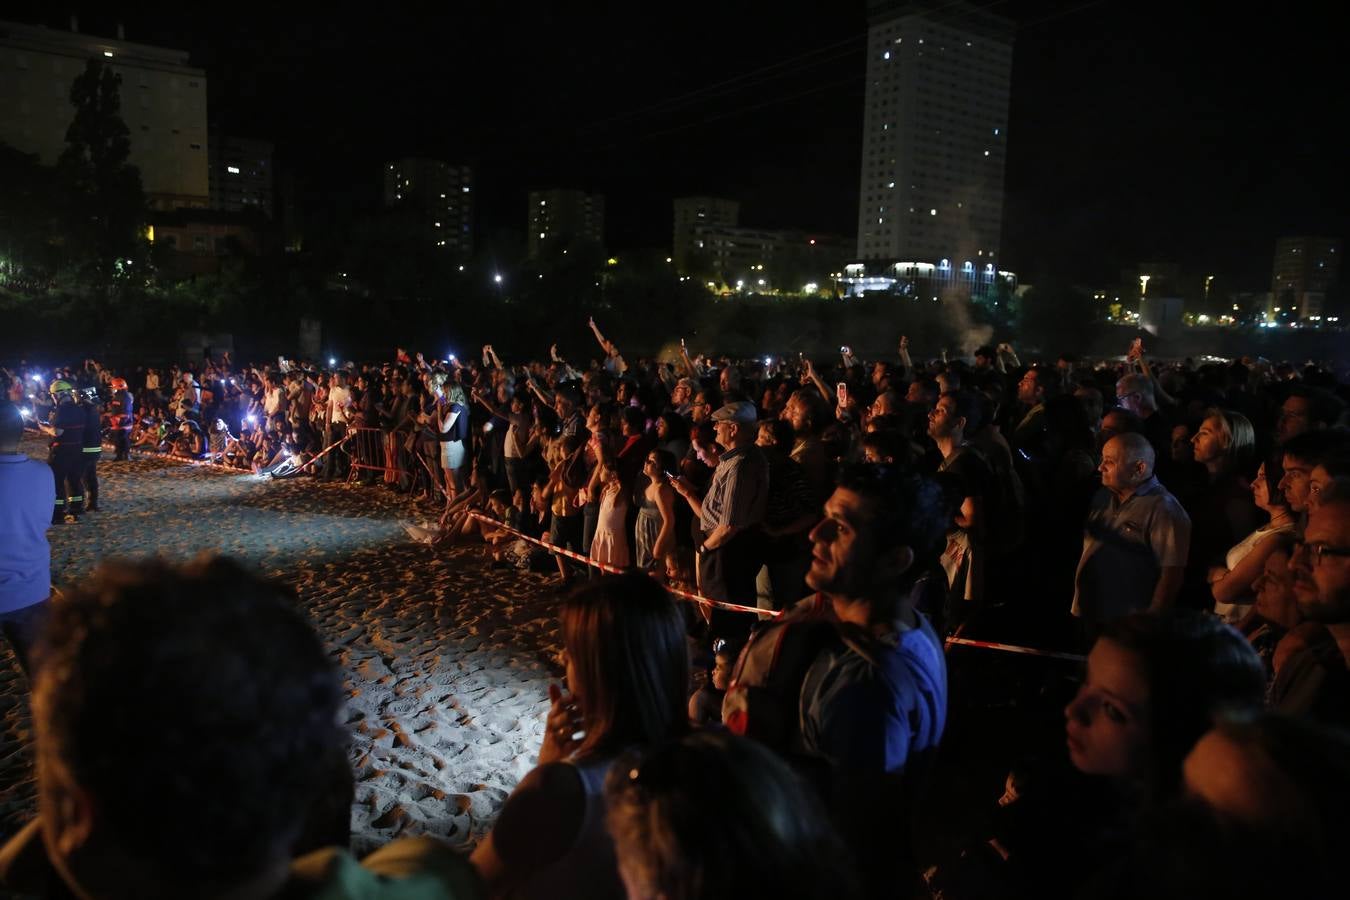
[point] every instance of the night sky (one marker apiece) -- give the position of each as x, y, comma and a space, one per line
1138, 131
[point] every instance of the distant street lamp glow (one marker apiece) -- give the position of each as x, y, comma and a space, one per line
331, 362
497, 278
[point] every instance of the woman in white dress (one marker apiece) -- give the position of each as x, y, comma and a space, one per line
610, 545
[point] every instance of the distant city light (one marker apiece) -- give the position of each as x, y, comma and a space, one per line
108, 53
761, 282
331, 362
613, 261
461, 268
812, 242
497, 278
233, 170
932, 212
667, 259
810, 287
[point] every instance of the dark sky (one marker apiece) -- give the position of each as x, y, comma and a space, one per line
1138, 130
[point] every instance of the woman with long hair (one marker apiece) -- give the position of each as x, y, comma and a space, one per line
627, 679
452, 425
1154, 684
655, 531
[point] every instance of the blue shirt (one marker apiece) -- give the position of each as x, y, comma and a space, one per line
27, 497
877, 715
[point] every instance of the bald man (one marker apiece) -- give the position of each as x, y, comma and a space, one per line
1136, 539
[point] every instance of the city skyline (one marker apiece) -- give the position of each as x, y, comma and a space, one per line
1132, 135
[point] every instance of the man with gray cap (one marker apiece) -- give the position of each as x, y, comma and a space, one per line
730, 516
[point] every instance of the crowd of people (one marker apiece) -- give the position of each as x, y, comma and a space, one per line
1187, 526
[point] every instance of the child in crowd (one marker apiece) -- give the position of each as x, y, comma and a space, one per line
705, 706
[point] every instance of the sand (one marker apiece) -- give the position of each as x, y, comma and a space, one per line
446, 662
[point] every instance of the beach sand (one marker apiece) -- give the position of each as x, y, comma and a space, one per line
446, 662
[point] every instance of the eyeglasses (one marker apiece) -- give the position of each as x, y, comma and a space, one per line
1318, 550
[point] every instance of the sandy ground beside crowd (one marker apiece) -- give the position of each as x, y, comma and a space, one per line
446, 662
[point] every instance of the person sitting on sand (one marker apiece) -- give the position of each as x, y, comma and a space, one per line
627, 671
205, 762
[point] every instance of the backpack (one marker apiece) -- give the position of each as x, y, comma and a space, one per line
763, 697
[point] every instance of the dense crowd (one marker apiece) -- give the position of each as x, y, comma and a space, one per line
1187, 525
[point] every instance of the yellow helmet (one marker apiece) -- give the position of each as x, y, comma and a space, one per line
60, 387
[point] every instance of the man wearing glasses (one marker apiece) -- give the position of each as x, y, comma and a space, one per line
1315, 680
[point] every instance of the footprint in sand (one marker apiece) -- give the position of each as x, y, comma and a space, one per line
395, 817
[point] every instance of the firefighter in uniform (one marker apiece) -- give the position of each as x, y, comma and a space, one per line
122, 418
66, 428
93, 446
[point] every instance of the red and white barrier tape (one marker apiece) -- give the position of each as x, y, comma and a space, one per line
1011, 648
615, 570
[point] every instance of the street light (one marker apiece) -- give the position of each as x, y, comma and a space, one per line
1208, 279
1143, 284
497, 278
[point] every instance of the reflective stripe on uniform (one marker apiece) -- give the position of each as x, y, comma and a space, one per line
79, 499
93, 449
60, 501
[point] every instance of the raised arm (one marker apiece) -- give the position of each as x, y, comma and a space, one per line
547, 399
810, 375
595, 329
1136, 354
904, 354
